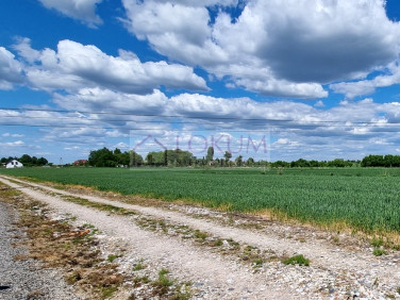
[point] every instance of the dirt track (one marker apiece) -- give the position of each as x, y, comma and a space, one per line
335, 271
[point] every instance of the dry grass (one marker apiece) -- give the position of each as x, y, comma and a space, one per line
20, 257
60, 245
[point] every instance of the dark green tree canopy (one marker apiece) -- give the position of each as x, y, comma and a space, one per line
107, 158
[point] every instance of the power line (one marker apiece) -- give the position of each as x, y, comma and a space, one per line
203, 117
150, 129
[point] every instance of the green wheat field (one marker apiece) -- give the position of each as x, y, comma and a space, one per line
367, 199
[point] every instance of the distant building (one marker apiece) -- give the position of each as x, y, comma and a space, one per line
80, 162
14, 164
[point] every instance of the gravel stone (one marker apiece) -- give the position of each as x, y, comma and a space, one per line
21, 279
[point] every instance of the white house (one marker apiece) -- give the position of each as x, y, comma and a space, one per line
14, 164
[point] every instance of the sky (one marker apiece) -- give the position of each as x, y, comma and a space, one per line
268, 79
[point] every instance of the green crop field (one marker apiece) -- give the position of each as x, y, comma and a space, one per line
367, 199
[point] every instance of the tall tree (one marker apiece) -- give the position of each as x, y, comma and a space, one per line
166, 157
210, 154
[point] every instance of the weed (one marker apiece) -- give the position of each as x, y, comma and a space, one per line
139, 267
107, 292
297, 260
233, 244
217, 243
396, 247
182, 292
249, 248
163, 279
398, 290
163, 283
88, 226
137, 281
200, 235
112, 257
377, 242
258, 262
379, 252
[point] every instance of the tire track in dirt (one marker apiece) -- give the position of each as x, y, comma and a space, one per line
187, 262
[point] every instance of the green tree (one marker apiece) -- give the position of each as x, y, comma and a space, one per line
42, 161
250, 162
26, 160
132, 158
149, 159
300, 163
102, 158
210, 154
337, 162
227, 156
239, 161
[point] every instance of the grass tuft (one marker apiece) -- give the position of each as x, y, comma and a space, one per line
297, 260
379, 252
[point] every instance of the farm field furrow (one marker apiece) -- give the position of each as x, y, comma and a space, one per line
366, 199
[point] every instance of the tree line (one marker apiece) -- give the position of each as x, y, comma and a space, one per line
179, 158
108, 158
381, 161
26, 160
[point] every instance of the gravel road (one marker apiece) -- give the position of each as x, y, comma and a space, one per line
221, 278
25, 279
335, 272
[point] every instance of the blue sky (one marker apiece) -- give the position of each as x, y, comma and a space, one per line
317, 79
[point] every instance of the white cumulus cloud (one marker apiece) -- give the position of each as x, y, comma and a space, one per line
74, 66
10, 70
367, 87
83, 10
286, 48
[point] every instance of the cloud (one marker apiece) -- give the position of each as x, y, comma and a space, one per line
351, 130
280, 48
367, 87
196, 105
10, 70
82, 10
15, 135
75, 66
99, 100
122, 146
23, 47
12, 144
